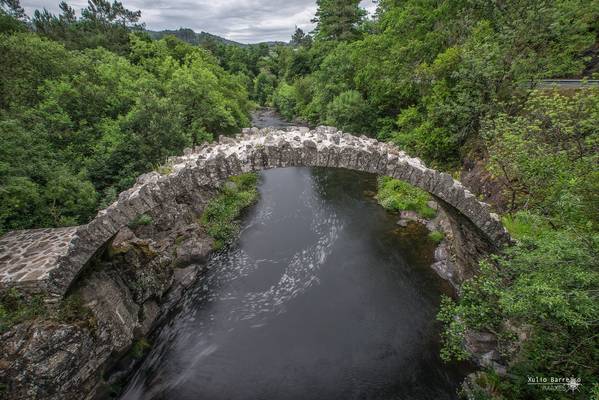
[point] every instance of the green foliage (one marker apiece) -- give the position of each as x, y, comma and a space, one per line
9, 22
16, 308
396, 195
102, 24
299, 38
540, 297
349, 112
285, 100
430, 73
546, 156
77, 127
264, 87
221, 212
164, 169
141, 220
524, 225
545, 286
436, 236
338, 19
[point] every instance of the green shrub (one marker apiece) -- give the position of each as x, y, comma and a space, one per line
285, 101
546, 157
77, 125
525, 225
546, 286
396, 195
220, 213
264, 87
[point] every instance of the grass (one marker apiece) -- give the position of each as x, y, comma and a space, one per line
395, 195
222, 211
164, 169
16, 308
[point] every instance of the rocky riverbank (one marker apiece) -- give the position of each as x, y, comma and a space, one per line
123, 294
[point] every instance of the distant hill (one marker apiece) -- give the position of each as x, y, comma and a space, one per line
189, 36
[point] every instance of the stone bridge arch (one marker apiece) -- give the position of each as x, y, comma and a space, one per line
476, 230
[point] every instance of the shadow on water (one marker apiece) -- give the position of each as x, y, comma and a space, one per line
321, 297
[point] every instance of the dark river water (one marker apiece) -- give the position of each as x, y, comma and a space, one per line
322, 296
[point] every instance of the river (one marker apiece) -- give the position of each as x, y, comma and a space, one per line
322, 296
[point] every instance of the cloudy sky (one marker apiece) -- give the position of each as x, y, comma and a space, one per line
245, 21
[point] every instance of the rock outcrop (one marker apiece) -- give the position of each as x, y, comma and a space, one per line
123, 293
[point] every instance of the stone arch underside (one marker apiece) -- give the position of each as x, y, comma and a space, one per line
476, 229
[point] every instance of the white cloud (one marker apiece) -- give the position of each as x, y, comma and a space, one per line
246, 21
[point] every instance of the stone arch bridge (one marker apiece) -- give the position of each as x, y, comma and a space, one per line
50, 260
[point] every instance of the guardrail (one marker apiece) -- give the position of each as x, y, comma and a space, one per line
568, 83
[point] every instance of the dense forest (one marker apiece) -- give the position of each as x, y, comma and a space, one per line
87, 103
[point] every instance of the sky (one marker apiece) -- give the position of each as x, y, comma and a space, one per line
246, 21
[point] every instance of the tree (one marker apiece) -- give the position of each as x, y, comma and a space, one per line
299, 38
102, 24
67, 13
77, 127
546, 157
349, 112
105, 13
338, 19
264, 86
13, 8
12, 17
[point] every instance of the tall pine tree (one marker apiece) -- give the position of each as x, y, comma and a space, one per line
338, 19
